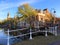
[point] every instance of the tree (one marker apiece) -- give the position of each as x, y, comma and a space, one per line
27, 13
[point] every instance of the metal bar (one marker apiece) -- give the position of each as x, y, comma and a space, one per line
8, 38
16, 30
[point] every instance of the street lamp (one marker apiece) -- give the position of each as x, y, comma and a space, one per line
52, 9
53, 13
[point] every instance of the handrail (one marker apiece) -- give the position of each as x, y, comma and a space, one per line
16, 30
30, 33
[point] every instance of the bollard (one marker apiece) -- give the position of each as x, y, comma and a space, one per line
30, 35
8, 38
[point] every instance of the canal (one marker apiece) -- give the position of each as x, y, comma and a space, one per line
3, 38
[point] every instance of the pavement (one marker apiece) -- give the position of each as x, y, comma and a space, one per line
55, 43
58, 32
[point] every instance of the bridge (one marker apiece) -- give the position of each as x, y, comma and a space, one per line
52, 30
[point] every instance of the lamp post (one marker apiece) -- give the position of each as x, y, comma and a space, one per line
53, 13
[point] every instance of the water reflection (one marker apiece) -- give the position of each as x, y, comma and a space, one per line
3, 38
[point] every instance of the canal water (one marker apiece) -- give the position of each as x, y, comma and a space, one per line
3, 38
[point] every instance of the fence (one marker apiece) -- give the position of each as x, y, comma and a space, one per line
52, 30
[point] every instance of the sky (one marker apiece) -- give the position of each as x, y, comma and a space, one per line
11, 6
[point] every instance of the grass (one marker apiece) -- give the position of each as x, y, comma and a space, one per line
0, 28
39, 40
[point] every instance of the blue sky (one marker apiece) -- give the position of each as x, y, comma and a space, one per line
12, 6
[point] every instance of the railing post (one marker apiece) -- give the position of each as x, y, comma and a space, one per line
30, 34
46, 32
8, 38
55, 30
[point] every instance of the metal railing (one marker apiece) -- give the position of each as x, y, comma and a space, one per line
52, 30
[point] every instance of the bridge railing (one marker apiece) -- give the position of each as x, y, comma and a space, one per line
51, 30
